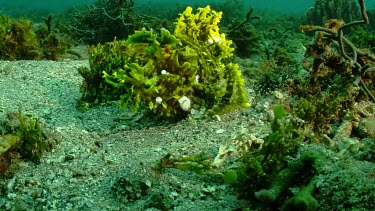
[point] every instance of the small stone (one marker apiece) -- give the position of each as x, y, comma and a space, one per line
368, 125
209, 189
61, 159
12, 195
98, 144
47, 111
219, 131
36, 193
69, 157
159, 149
110, 161
278, 95
107, 132
59, 129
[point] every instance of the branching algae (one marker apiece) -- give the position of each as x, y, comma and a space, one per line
169, 74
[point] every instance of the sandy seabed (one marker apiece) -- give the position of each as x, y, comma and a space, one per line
97, 149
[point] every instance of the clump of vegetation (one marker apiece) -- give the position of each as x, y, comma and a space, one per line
363, 38
261, 163
333, 88
324, 10
280, 71
246, 38
53, 39
19, 41
130, 189
105, 20
200, 163
291, 168
22, 137
109, 57
258, 165
309, 164
170, 74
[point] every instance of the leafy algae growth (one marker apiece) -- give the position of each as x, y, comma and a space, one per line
169, 74
22, 136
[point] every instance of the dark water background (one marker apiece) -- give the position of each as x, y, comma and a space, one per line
280, 6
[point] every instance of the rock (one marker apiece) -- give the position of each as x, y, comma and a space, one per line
367, 127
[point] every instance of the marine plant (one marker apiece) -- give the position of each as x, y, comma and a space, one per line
254, 162
340, 76
258, 165
33, 139
364, 38
104, 20
291, 168
246, 38
169, 74
200, 164
22, 136
309, 164
17, 40
323, 108
53, 39
323, 10
328, 98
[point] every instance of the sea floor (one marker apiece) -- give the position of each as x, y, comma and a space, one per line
97, 147
105, 156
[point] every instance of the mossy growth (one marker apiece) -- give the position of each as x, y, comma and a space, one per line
32, 137
257, 166
17, 40
254, 167
286, 137
22, 136
200, 164
54, 40
305, 168
363, 38
169, 74
54, 45
323, 109
329, 94
246, 38
109, 58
